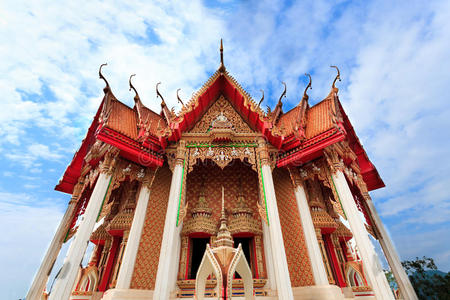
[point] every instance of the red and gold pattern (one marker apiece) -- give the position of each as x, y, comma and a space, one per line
229, 178
147, 259
294, 241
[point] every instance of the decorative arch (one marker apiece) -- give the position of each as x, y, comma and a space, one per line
88, 280
354, 276
208, 265
239, 264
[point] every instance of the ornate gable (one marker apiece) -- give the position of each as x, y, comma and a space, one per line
221, 115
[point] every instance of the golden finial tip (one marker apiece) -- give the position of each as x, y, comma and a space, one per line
222, 66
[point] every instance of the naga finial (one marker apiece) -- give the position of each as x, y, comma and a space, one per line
284, 92
103, 77
158, 94
132, 87
179, 99
308, 86
262, 98
338, 76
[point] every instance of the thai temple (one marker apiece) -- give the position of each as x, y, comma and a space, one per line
221, 200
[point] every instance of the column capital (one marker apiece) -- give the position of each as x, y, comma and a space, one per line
149, 176
263, 152
180, 154
333, 159
297, 176
126, 234
109, 161
318, 233
77, 190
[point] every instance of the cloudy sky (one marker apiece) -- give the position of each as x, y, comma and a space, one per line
394, 61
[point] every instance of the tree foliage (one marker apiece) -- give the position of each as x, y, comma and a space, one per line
428, 282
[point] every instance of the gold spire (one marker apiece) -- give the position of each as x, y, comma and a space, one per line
222, 216
222, 65
223, 235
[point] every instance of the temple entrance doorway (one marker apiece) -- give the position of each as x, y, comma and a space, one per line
247, 248
198, 247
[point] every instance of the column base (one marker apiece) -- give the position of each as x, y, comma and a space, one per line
127, 294
329, 292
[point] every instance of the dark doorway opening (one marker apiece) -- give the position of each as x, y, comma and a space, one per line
247, 247
198, 247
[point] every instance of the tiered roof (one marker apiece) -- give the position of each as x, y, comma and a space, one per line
141, 134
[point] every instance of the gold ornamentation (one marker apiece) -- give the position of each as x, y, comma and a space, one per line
333, 159
221, 115
242, 219
221, 155
109, 161
200, 220
100, 234
183, 257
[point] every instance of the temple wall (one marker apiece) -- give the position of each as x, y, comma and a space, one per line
229, 178
147, 259
297, 255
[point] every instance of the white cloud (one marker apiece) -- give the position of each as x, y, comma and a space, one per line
33, 153
70, 41
393, 59
28, 226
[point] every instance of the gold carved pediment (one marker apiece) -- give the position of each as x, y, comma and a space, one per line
221, 116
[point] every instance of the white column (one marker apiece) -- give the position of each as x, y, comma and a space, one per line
406, 289
169, 246
65, 281
372, 267
271, 281
131, 250
40, 280
283, 279
317, 265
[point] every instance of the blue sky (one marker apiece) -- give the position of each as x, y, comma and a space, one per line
394, 61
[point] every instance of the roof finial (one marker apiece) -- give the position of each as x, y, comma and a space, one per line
179, 99
305, 96
262, 98
222, 66
284, 92
106, 88
338, 76
136, 97
158, 94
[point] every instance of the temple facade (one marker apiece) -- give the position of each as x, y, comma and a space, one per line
221, 200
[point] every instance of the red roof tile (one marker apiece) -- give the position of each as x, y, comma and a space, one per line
123, 119
318, 119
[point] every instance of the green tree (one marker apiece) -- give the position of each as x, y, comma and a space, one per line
428, 282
